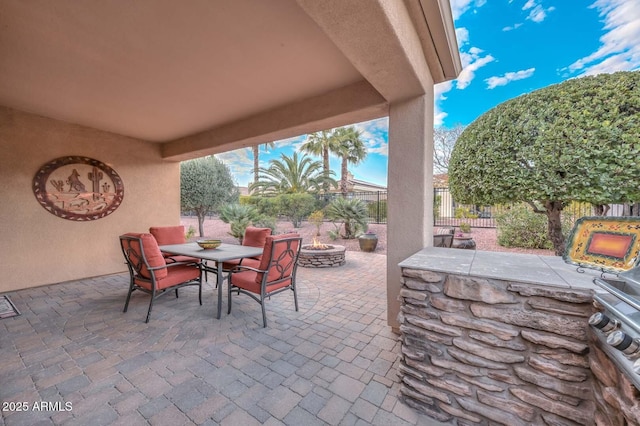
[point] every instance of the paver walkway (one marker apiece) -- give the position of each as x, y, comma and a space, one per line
75, 353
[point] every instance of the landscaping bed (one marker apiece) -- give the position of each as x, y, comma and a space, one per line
485, 238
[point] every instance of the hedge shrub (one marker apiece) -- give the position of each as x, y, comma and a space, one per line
521, 227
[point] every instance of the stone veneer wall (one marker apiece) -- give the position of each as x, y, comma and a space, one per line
329, 258
484, 351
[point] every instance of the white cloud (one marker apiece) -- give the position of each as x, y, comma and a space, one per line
459, 7
537, 12
493, 82
375, 134
512, 27
462, 35
296, 142
439, 91
471, 62
240, 162
620, 45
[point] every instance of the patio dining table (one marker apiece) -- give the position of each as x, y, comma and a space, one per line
218, 255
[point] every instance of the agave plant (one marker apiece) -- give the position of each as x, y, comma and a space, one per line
353, 213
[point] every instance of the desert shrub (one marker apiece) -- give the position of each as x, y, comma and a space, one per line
352, 213
190, 233
269, 206
464, 213
266, 222
521, 227
239, 216
316, 218
296, 207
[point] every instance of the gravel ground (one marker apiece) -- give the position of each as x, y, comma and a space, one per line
485, 238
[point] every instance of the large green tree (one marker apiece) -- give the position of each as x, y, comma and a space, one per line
577, 140
291, 175
351, 150
206, 184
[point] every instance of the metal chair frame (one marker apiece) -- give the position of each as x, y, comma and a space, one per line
135, 264
273, 263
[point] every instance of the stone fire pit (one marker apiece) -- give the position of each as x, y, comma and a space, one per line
328, 257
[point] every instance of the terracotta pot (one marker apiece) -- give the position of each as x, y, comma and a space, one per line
368, 242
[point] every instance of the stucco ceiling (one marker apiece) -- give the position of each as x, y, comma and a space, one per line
162, 69
205, 76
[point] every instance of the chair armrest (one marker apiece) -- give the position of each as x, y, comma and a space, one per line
168, 265
240, 268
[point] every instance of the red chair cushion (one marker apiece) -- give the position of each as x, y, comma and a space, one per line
255, 237
176, 275
247, 281
152, 253
247, 261
168, 234
284, 260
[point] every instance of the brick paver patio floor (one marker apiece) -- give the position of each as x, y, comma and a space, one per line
74, 358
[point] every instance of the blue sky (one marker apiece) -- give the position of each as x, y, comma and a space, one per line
507, 48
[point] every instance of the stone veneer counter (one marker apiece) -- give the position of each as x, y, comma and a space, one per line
491, 337
525, 268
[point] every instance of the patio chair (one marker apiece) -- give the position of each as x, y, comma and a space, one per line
151, 274
275, 273
174, 235
443, 237
171, 235
253, 237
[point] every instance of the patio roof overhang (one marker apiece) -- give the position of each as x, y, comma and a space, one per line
204, 77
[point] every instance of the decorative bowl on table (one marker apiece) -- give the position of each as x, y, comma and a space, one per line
209, 244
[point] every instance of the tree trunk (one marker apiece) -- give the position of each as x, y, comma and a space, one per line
347, 230
343, 180
325, 160
554, 227
256, 162
325, 168
201, 216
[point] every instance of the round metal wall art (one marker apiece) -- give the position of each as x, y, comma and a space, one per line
78, 188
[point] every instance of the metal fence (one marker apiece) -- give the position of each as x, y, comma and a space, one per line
447, 212
376, 202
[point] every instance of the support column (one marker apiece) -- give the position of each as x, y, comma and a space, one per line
410, 186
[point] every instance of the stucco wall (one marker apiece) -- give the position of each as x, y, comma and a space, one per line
39, 248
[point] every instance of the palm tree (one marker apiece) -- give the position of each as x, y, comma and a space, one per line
351, 149
290, 175
256, 160
321, 143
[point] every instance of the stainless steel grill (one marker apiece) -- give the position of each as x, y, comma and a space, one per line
611, 245
618, 326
